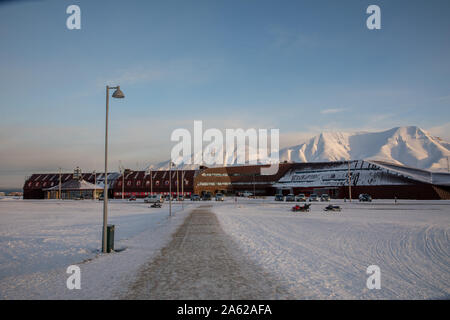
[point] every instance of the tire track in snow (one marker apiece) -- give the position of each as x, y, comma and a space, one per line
328, 254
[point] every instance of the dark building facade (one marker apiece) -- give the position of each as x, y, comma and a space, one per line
381, 180
143, 183
35, 184
238, 179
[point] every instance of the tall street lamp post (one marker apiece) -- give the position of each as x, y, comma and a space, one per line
119, 95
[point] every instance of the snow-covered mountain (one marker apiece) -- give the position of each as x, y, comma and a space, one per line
409, 146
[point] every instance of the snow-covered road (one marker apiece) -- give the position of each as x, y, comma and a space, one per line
313, 255
320, 255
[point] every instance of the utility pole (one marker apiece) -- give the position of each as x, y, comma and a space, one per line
95, 184
349, 182
178, 188
122, 171
182, 189
151, 182
170, 188
254, 187
59, 184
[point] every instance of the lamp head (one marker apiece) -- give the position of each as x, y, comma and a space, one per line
118, 93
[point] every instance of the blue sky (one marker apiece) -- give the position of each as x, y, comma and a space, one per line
300, 66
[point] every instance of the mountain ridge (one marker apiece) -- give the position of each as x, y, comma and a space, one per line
408, 146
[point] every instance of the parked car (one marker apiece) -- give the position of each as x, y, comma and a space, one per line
220, 197
180, 198
301, 197
207, 197
132, 198
324, 197
247, 194
195, 197
168, 197
156, 198
290, 197
279, 197
313, 197
365, 197
101, 197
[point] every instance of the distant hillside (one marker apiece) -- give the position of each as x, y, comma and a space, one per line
409, 146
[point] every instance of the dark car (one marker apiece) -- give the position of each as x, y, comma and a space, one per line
132, 198
279, 197
206, 197
364, 197
195, 197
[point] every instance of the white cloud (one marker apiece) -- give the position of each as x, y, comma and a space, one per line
332, 110
183, 70
442, 131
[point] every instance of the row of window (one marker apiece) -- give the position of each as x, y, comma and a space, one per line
128, 183
147, 183
118, 194
44, 184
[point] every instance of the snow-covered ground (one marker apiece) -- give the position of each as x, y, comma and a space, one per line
320, 255
313, 255
39, 239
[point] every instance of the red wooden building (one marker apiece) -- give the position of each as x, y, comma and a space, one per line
143, 183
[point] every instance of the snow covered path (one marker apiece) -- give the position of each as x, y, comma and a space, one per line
202, 262
40, 239
328, 253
